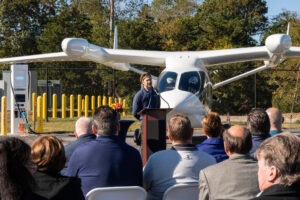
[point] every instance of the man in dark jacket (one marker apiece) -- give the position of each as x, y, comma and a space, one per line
84, 133
258, 123
145, 97
106, 161
279, 167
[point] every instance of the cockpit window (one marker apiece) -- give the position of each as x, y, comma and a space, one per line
190, 81
166, 81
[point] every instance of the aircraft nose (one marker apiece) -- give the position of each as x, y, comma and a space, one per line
181, 101
185, 103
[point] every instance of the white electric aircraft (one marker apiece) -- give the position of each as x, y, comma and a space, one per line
184, 84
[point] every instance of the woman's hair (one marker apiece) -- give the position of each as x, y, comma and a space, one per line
16, 181
49, 154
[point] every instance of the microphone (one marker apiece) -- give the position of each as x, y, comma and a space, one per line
161, 96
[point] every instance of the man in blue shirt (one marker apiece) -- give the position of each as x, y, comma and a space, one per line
214, 144
106, 161
276, 120
145, 97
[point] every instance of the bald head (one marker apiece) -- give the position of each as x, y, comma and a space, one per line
237, 139
83, 126
275, 117
237, 131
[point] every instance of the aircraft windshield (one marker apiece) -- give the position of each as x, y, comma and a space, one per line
166, 81
190, 81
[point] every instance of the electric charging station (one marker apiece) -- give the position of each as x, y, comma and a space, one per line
19, 97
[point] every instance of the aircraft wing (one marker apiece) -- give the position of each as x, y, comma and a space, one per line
293, 52
228, 56
278, 47
48, 57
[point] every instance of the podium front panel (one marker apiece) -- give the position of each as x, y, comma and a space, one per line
156, 136
154, 132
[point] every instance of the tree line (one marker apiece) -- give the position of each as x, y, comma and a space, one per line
34, 26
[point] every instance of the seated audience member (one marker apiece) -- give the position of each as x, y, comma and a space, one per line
83, 133
258, 124
276, 120
236, 177
179, 165
106, 161
16, 169
214, 144
279, 167
49, 155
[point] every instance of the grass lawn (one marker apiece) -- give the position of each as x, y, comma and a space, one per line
67, 125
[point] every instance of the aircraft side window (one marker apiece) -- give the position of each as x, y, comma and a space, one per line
190, 81
167, 81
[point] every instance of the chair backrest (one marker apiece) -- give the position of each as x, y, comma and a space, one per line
117, 193
179, 192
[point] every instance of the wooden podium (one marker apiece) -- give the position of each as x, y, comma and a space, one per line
154, 131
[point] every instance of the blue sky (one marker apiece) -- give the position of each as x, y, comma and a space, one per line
276, 6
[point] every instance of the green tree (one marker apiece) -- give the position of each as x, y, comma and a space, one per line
174, 23
20, 23
231, 24
69, 23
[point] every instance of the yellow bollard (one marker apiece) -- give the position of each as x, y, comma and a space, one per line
72, 106
79, 106
33, 106
86, 106
63, 106
98, 101
93, 105
82, 105
104, 100
4, 116
44, 105
54, 106
124, 108
110, 100
39, 115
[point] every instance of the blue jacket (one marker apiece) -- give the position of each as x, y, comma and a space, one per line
70, 148
214, 147
256, 140
144, 99
106, 162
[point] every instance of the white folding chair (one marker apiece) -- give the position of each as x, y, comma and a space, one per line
179, 192
117, 193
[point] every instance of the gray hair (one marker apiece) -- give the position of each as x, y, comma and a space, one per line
283, 152
83, 126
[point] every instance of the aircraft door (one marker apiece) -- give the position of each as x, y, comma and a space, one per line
205, 95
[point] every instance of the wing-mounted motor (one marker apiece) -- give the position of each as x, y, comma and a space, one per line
277, 45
